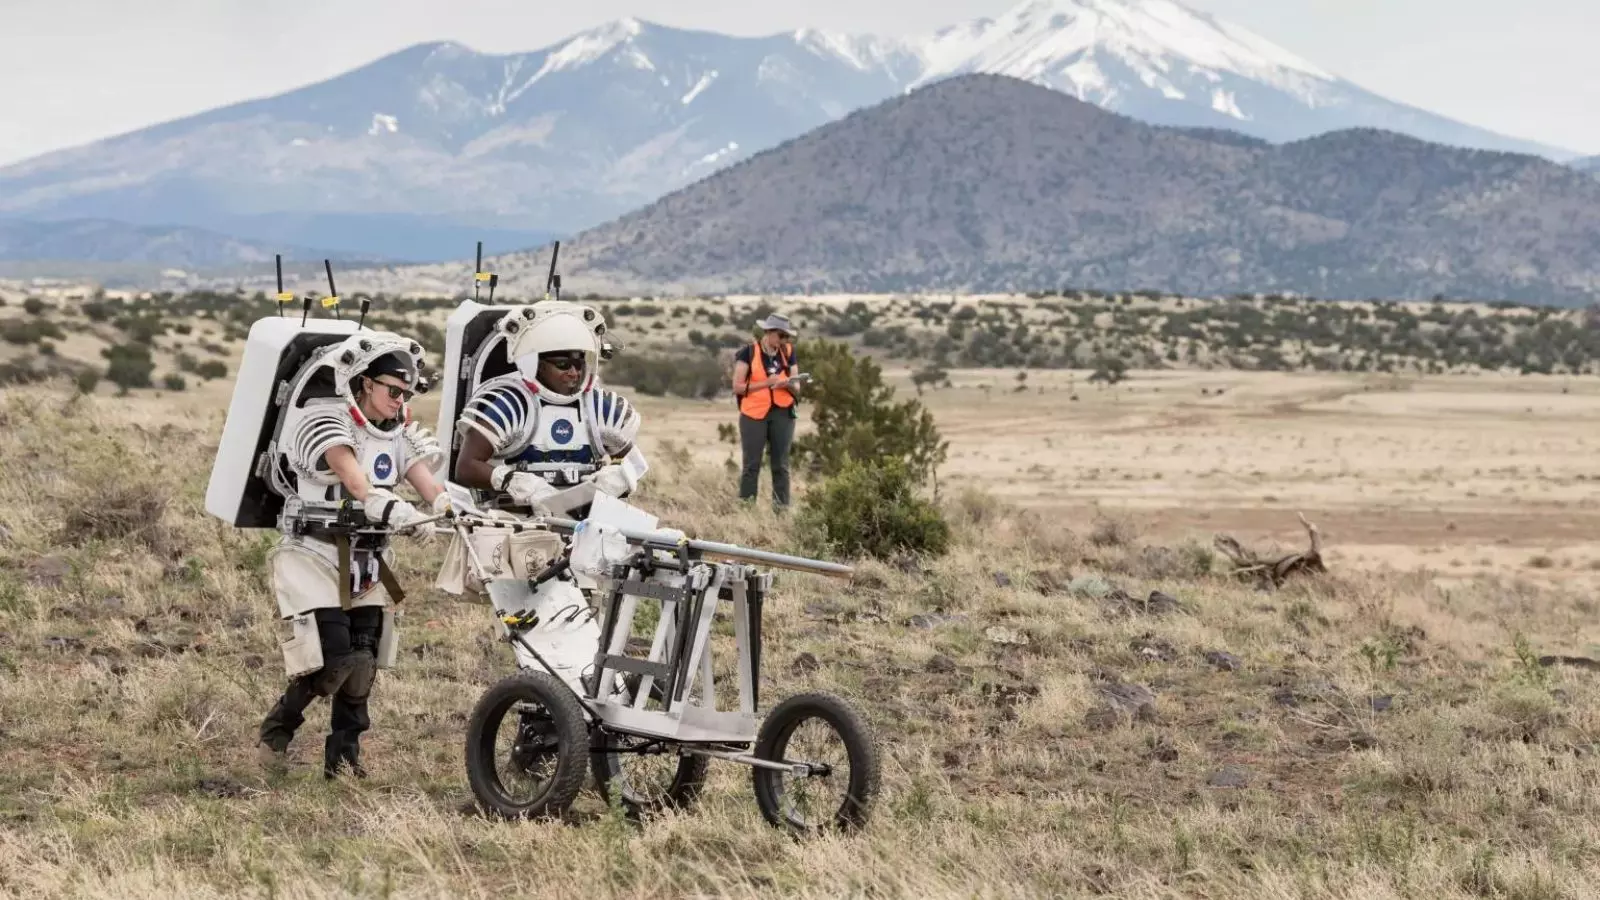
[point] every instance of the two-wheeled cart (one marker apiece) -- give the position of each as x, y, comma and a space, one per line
638, 705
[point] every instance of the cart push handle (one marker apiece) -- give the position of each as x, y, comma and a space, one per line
734, 552
664, 540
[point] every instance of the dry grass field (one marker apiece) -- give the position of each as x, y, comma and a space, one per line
1385, 730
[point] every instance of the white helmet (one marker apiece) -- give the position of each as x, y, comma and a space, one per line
357, 353
551, 326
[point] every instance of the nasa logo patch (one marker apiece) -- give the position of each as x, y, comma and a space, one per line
383, 466
561, 431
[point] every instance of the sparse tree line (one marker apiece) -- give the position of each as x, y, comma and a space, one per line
1107, 333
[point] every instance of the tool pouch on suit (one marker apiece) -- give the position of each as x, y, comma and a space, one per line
302, 652
389, 638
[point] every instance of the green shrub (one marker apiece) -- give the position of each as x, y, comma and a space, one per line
33, 306
87, 381
871, 509
130, 366
29, 331
856, 416
172, 381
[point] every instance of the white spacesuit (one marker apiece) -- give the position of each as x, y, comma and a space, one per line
344, 441
545, 429
541, 439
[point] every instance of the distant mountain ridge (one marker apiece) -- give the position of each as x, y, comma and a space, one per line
101, 241
417, 149
988, 183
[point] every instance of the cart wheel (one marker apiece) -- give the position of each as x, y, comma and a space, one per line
827, 799
544, 766
647, 783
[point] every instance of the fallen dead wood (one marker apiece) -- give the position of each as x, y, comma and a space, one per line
1270, 573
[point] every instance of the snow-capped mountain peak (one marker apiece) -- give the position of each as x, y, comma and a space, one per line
1071, 44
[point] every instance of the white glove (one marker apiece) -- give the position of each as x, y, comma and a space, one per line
525, 488
383, 506
612, 480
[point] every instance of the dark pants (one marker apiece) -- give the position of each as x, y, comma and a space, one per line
773, 434
349, 664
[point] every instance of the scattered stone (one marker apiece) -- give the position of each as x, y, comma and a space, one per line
1229, 777
113, 603
908, 564
1153, 648
933, 620
48, 571
1001, 579
1161, 750
1120, 602
941, 664
1001, 635
1381, 703
1007, 696
1224, 661
221, 787
804, 663
60, 642
5, 536
1158, 604
1120, 701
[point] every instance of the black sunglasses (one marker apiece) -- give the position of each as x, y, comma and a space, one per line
563, 363
395, 392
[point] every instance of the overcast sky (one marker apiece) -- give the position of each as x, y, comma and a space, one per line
72, 71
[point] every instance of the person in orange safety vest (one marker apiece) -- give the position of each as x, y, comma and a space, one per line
761, 383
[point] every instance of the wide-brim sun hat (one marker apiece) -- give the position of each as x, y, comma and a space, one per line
776, 322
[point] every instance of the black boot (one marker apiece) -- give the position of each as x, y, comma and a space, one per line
339, 751
285, 718
349, 718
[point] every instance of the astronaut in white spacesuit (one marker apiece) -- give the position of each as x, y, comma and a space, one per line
534, 435
548, 426
349, 448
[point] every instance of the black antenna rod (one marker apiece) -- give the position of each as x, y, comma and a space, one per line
282, 297
477, 273
553, 278
332, 300
493, 280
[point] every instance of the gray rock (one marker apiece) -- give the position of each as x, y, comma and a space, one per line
933, 620
1224, 661
1119, 702
1229, 777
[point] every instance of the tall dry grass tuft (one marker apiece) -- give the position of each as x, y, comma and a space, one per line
1354, 735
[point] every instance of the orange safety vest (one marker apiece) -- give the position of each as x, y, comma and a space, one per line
757, 403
